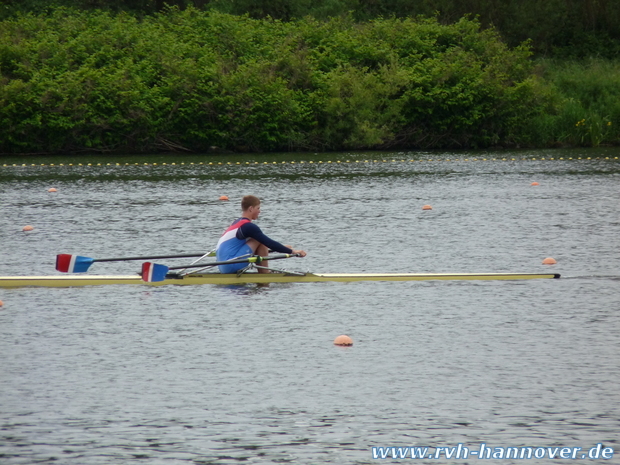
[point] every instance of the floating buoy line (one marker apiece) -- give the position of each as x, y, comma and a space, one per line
320, 162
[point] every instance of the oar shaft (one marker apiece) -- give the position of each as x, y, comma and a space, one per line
253, 259
155, 257
152, 272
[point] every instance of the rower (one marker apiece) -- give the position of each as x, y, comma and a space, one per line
243, 238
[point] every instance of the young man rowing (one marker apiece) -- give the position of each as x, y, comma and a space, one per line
243, 238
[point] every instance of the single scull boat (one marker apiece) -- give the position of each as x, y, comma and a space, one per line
255, 278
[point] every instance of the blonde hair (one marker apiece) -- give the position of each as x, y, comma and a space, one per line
249, 201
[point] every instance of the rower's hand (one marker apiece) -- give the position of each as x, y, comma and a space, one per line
301, 253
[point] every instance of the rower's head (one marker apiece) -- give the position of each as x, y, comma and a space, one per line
250, 206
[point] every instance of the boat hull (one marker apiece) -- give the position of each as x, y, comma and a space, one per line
256, 278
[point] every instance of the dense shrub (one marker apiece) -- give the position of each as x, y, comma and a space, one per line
558, 28
586, 106
189, 80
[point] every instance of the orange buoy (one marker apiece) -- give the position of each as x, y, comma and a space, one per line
1, 303
223, 197
27, 228
343, 341
427, 207
534, 184
52, 189
549, 261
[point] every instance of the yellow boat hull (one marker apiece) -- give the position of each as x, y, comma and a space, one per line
256, 278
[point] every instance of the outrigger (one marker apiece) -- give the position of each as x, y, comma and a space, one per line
159, 275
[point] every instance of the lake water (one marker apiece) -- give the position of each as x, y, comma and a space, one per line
228, 375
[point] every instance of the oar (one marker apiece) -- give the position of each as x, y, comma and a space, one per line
76, 264
153, 272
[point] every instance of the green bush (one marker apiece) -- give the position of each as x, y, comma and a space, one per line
586, 110
559, 28
75, 81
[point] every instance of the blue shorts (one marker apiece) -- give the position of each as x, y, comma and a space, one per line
244, 251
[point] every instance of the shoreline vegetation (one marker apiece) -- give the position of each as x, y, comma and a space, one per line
197, 81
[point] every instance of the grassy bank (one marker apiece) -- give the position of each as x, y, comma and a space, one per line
73, 81
586, 109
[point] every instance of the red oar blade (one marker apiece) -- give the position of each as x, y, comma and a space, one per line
152, 272
73, 263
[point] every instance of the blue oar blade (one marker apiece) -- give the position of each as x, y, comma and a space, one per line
152, 272
67, 263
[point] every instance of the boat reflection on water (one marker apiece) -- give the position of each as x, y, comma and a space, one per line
247, 289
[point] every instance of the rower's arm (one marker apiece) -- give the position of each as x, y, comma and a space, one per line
250, 230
